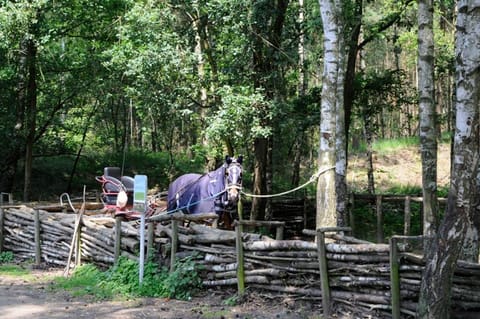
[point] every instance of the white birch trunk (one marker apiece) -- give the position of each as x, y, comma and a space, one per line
428, 131
436, 290
326, 192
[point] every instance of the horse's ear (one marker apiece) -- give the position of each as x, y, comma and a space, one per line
228, 159
240, 159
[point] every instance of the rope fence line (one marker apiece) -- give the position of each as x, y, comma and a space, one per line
312, 179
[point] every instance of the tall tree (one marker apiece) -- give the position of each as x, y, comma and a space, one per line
340, 128
267, 24
441, 258
331, 12
428, 126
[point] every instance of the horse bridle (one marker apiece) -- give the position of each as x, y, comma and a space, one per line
237, 183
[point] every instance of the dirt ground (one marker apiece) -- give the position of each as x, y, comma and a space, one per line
30, 297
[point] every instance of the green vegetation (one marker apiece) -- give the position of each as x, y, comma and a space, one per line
386, 146
13, 270
51, 175
122, 281
6, 257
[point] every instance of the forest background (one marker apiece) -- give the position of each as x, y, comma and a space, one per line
165, 87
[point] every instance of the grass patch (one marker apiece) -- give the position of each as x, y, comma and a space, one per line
122, 281
389, 145
13, 270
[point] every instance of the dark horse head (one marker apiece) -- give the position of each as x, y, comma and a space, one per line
217, 191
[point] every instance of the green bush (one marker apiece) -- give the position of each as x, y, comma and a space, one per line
6, 257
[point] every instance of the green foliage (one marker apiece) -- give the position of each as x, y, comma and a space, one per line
6, 257
182, 282
239, 118
84, 282
365, 219
405, 190
386, 146
13, 270
231, 301
122, 280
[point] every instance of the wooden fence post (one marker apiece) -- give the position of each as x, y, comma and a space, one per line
323, 266
322, 262
38, 252
240, 265
395, 272
394, 278
173, 249
2, 217
351, 216
380, 234
150, 236
78, 242
279, 232
407, 219
118, 239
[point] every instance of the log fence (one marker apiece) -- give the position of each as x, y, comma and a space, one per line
343, 274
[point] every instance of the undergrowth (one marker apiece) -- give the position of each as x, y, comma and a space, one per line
122, 281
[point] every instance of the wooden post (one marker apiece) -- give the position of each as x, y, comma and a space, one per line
118, 239
240, 209
380, 235
322, 262
279, 232
395, 272
38, 252
240, 265
150, 236
323, 267
407, 218
2, 217
78, 242
305, 213
394, 278
351, 216
173, 250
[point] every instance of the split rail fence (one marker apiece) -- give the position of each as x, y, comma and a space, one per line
343, 274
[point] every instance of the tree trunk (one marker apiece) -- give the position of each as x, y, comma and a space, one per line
302, 79
349, 88
301, 90
368, 131
428, 126
267, 24
259, 172
435, 295
326, 192
31, 116
341, 134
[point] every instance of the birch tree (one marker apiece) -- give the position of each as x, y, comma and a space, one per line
435, 295
326, 193
428, 136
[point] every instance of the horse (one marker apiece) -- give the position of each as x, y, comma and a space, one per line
216, 191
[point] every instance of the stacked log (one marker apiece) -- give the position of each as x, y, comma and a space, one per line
465, 288
358, 272
56, 232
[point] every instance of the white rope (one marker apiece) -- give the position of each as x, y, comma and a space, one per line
69, 201
194, 203
311, 180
